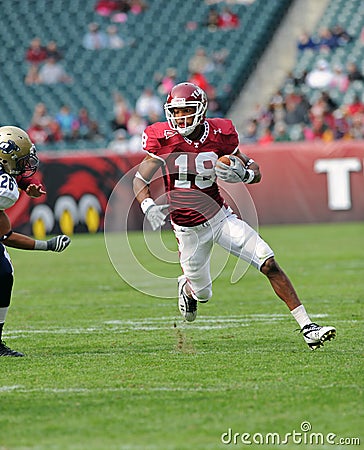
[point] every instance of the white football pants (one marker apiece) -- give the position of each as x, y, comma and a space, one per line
234, 235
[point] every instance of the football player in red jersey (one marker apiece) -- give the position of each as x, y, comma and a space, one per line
18, 160
187, 148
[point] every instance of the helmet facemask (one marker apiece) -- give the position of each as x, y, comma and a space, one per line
198, 116
27, 165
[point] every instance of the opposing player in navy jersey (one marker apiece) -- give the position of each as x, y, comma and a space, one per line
18, 160
187, 148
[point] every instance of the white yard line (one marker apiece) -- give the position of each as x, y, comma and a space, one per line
160, 323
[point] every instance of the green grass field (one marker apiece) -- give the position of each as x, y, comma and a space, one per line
108, 367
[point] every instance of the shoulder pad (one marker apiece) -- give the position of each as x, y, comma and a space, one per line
225, 125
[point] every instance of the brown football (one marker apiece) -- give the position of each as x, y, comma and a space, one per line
225, 159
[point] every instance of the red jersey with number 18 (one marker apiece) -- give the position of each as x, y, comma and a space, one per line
188, 167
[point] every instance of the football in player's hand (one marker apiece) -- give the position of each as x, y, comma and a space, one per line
225, 160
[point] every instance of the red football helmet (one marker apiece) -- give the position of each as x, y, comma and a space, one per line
181, 96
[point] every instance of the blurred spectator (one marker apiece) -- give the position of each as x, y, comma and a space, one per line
305, 42
53, 51
353, 72
320, 76
280, 132
228, 19
356, 130
200, 80
121, 111
94, 39
212, 20
340, 126
37, 133
320, 109
166, 82
318, 131
341, 36
250, 133
339, 79
136, 126
35, 55
120, 143
356, 106
266, 137
326, 40
42, 135
149, 106
137, 6
68, 123
43, 128
41, 116
107, 7
296, 110
85, 127
200, 62
53, 72
115, 40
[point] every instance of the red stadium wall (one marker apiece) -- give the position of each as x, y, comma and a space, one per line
309, 182
301, 183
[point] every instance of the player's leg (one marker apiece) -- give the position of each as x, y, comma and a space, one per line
313, 334
243, 241
195, 285
6, 283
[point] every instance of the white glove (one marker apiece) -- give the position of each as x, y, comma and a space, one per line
156, 214
235, 173
55, 244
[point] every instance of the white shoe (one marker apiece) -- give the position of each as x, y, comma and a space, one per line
186, 305
315, 336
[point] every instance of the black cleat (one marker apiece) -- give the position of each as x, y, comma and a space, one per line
6, 351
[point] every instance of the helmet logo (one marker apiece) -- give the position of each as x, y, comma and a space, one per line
196, 93
9, 147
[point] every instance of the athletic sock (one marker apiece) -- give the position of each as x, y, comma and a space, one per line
3, 312
301, 316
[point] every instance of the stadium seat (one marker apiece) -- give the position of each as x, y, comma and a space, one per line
97, 74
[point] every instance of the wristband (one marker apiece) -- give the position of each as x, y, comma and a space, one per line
40, 245
249, 176
146, 204
8, 234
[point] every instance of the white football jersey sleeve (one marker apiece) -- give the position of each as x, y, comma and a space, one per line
9, 192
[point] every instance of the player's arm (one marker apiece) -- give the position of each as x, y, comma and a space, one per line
21, 241
249, 163
155, 214
146, 170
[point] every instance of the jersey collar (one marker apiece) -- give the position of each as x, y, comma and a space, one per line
203, 138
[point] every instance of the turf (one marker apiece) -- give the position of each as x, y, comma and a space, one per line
108, 367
